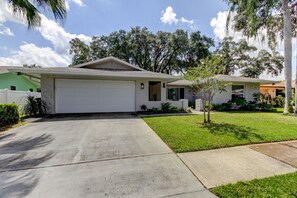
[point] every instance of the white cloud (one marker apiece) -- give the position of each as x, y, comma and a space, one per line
31, 54
54, 33
77, 2
51, 31
220, 31
169, 17
6, 31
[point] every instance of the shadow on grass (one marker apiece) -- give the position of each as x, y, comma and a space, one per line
239, 132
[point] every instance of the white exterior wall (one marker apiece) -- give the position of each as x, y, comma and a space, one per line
18, 97
249, 90
142, 95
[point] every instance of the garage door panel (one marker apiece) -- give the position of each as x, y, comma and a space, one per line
82, 96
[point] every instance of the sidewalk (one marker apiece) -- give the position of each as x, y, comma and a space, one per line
230, 165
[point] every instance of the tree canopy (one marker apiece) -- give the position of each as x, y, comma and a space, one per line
252, 17
240, 56
164, 52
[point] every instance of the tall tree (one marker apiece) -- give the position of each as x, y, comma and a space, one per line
81, 52
252, 16
246, 58
31, 9
164, 52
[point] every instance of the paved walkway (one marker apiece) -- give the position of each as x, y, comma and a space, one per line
230, 165
92, 156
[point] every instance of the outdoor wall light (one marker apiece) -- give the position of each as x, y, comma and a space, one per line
142, 86
164, 85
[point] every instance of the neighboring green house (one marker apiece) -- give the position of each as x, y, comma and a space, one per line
13, 81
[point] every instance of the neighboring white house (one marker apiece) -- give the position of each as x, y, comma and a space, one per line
237, 87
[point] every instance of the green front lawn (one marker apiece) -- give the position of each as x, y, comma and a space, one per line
277, 186
187, 133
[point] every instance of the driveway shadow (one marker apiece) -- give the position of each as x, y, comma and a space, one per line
239, 132
19, 155
6, 135
87, 116
26, 144
17, 184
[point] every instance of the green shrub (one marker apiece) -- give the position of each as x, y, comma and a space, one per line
168, 108
143, 107
34, 107
154, 110
278, 101
292, 102
291, 109
9, 114
223, 107
240, 102
192, 104
243, 105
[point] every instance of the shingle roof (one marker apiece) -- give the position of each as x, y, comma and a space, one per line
225, 78
93, 72
4, 69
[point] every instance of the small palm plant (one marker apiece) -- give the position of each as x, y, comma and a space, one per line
34, 107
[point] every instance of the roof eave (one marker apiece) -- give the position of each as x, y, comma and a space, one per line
65, 73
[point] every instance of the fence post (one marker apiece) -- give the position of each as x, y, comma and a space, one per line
6, 96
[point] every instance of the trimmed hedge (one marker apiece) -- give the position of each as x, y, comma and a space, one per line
9, 114
243, 105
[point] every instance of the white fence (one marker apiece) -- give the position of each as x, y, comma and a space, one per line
18, 97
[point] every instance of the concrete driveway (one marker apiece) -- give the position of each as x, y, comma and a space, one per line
92, 156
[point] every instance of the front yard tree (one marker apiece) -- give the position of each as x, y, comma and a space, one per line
204, 81
253, 16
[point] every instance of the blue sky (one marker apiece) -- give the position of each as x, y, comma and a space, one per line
48, 45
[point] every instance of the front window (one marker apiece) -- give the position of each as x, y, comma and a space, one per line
280, 92
176, 94
237, 91
154, 91
13, 88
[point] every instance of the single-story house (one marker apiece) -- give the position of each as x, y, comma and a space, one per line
13, 81
105, 85
113, 85
237, 87
275, 89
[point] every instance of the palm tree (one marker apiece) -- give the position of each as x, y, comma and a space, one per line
253, 15
30, 10
287, 52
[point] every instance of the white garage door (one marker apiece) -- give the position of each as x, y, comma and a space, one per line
89, 96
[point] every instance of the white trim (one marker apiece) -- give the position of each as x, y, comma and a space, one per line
110, 58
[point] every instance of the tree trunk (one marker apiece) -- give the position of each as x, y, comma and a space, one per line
208, 111
296, 88
204, 112
287, 53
